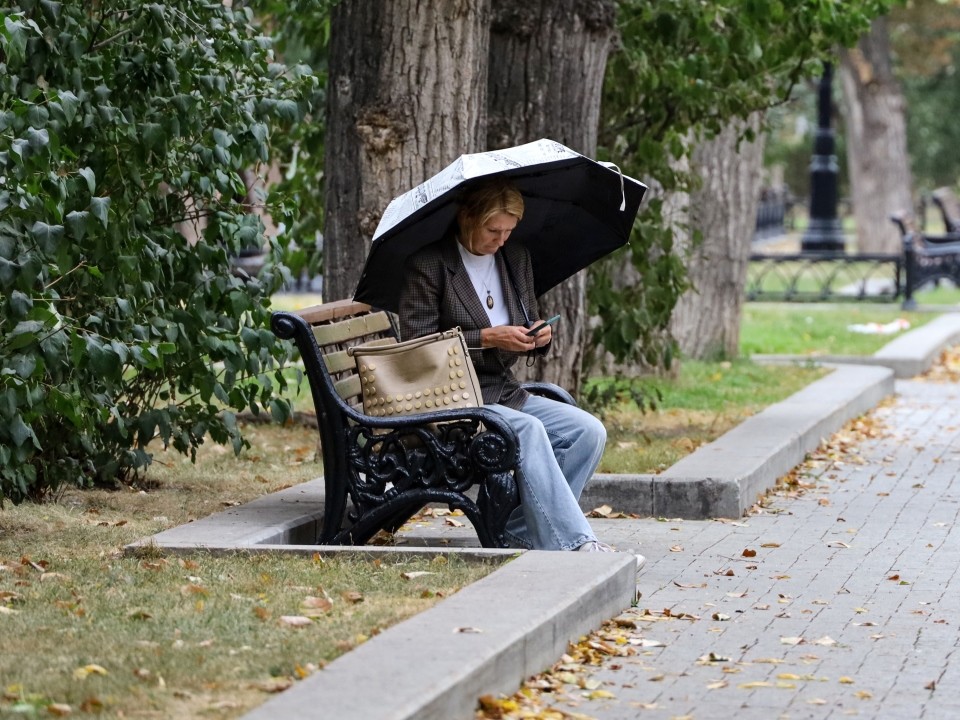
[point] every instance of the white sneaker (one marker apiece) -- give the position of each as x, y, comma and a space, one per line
597, 546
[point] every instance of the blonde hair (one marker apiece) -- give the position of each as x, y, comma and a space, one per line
482, 202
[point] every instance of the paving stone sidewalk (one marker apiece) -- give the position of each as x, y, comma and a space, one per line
851, 606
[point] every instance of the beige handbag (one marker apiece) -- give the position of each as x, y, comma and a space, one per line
429, 373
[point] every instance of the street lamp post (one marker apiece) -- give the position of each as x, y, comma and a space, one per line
824, 233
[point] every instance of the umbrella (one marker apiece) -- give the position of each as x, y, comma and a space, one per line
576, 210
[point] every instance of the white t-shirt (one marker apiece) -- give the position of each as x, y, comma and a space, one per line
482, 270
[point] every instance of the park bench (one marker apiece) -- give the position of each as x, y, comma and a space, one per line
380, 471
928, 258
946, 201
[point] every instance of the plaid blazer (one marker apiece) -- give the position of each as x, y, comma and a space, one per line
438, 295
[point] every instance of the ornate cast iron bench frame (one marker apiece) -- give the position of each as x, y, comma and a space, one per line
380, 471
927, 258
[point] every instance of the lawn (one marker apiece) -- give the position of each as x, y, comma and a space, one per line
818, 329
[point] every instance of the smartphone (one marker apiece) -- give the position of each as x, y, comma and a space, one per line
541, 326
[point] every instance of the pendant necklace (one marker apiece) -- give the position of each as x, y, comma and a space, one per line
486, 285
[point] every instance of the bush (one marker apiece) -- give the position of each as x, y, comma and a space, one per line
119, 124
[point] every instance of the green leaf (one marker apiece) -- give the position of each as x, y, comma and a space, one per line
77, 222
100, 208
20, 432
69, 104
90, 177
47, 236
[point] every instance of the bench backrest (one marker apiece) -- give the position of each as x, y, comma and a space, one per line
342, 324
946, 200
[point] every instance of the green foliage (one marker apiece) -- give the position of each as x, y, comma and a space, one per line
300, 30
119, 123
685, 68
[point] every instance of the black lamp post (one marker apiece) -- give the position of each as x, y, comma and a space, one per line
824, 233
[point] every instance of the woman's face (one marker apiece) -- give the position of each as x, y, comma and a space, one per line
491, 235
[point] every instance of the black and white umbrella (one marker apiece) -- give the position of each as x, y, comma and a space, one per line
576, 210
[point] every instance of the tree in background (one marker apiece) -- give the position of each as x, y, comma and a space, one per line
687, 69
118, 122
925, 38
876, 139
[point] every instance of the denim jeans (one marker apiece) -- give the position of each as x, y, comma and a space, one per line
560, 447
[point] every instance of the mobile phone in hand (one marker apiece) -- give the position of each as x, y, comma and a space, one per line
541, 326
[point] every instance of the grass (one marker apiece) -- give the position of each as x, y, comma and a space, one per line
705, 401
817, 329
201, 636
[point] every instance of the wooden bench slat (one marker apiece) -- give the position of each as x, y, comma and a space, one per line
351, 329
339, 361
333, 311
348, 387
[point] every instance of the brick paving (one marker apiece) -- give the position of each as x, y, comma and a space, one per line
850, 607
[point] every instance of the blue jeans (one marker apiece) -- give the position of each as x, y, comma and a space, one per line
560, 447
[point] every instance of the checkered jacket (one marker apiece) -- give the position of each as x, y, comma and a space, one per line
438, 295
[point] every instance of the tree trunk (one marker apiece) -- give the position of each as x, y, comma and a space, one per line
706, 321
406, 96
547, 60
876, 137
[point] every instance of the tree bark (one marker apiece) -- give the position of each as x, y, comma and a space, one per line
546, 67
406, 96
880, 179
706, 321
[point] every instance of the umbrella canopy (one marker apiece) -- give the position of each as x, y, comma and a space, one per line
576, 210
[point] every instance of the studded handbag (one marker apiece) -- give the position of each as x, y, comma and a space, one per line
429, 373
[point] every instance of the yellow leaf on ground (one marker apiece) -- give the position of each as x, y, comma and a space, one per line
82, 672
59, 709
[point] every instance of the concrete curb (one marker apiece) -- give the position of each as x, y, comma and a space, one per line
725, 477
425, 669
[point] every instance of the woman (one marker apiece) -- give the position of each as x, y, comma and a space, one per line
479, 282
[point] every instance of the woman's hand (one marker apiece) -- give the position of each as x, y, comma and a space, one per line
514, 338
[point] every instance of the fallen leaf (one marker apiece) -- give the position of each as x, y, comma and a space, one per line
467, 630
602, 511
863, 694
273, 685
453, 522
825, 640
749, 552
599, 695
686, 586
415, 574
791, 640
816, 701
770, 545
717, 685
719, 617
676, 548
755, 684
59, 709
846, 680
295, 621
837, 544
737, 594
4, 610
312, 602
352, 596
932, 685
893, 577
82, 672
